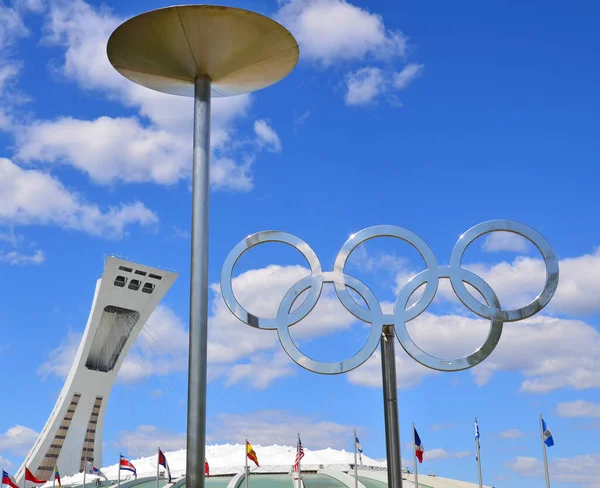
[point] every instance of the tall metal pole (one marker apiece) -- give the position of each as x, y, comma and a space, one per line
478, 457
246, 458
355, 463
119, 472
415, 457
544, 451
157, 466
196, 426
390, 408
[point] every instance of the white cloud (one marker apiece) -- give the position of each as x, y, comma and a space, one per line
108, 149
266, 136
17, 440
578, 408
505, 241
518, 282
584, 469
16, 257
335, 30
267, 427
407, 75
32, 197
144, 439
438, 453
260, 371
6, 463
574, 362
511, 434
129, 149
364, 85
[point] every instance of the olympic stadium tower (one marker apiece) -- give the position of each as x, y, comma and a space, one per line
125, 296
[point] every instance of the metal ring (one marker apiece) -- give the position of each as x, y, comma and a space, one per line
316, 282
236, 253
528, 233
433, 362
387, 231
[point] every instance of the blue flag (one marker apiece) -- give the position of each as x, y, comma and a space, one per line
547, 435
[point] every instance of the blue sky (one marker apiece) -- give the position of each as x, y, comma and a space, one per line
433, 116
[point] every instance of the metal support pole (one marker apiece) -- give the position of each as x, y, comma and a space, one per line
390, 408
478, 448
355, 463
545, 456
196, 420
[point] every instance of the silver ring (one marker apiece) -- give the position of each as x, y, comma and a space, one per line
387, 231
458, 276
316, 282
415, 352
528, 233
248, 243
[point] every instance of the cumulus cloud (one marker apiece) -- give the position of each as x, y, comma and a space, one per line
365, 85
144, 439
336, 30
17, 440
266, 136
584, 469
153, 148
521, 280
267, 427
511, 434
438, 453
16, 257
578, 408
505, 241
574, 362
32, 197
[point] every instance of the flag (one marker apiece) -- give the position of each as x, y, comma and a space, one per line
7, 479
476, 430
418, 447
57, 476
251, 454
206, 469
91, 469
299, 455
359, 449
30, 477
126, 465
547, 435
162, 461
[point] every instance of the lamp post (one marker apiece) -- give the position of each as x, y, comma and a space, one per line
202, 51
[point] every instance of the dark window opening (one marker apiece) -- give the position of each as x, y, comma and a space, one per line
156, 277
134, 284
123, 268
148, 288
120, 281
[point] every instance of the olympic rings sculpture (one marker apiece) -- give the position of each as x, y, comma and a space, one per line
374, 315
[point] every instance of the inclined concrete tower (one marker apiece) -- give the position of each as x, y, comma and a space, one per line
125, 296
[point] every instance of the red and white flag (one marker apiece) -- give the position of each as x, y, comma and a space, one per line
299, 454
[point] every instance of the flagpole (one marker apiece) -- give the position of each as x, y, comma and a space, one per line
157, 466
54, 478
478, 454
299, 461
544, 451
246, 457
119, 472
355, 463
84, 471
415, 457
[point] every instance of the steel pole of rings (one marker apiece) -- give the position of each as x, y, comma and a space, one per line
201, 51
388, 325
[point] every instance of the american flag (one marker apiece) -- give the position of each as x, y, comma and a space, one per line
299, 454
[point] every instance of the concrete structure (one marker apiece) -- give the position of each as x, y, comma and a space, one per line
125, 296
